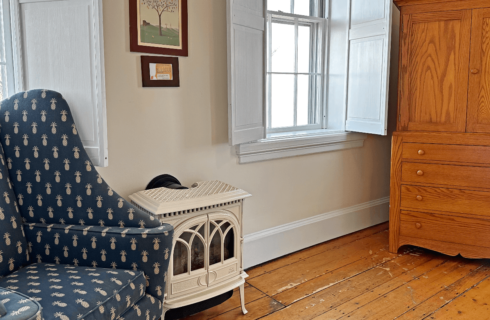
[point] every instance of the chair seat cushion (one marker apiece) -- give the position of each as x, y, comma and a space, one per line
19, 306
71, 292
148, 308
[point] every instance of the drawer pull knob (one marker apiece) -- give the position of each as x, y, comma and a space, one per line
418, 225
475, 71
420, 173
421, 152
419, 198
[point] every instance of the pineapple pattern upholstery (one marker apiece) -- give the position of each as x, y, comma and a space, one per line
145, 309
128, 248
13, 246
19, 306
72, 218
53, 177
79, 292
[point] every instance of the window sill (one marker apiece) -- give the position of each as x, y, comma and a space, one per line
282, 145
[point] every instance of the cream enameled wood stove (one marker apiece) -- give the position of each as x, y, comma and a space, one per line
206, 257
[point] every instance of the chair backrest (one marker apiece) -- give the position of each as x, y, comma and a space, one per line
13, 245
50, 170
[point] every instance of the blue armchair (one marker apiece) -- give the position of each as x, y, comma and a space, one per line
72, 247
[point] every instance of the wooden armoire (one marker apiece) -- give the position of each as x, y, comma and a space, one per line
440, 165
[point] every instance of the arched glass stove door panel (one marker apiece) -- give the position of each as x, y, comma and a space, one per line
189, 268
223, 246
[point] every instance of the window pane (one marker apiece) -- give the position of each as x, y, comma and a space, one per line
302, 7
303, 99
201, 231
197, 254
229, 245
225, 226
280, 5
304, 49
215, 249
186, 236
282, 100
282, 49
180, 258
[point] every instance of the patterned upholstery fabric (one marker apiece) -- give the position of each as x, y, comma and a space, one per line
128, 248
53, 177
76, 227
79, 292
19, 306
13, 248
147, 308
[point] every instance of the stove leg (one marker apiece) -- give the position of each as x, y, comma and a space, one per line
242, 298
164, 310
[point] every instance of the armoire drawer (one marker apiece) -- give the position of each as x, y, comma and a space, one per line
442, 174
445, 199
439, 227
446, 152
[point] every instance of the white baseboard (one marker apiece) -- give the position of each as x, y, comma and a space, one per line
266, 245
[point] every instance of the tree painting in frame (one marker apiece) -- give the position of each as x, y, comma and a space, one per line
159, 26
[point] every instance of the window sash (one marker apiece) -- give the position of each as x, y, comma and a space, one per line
316, 7
316, 75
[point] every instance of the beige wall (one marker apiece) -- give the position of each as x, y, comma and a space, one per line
183, 131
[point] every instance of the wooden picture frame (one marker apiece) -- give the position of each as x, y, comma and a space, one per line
158, 27
160, 71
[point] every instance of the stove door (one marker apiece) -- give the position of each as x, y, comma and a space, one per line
224, 246
188, 269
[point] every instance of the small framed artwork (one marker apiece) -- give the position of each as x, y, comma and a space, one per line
158, 26
160, 71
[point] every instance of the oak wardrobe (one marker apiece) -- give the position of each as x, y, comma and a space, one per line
440, 165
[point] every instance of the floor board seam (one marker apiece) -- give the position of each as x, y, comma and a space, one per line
443, 262
338, 282
337, 247
459, 295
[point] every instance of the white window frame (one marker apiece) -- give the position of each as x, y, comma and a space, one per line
339, 79
317, 54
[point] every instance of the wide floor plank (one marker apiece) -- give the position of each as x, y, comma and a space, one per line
450, 293
472, 305
318, 249
340, 292
396, 302
355, 277
251, 294
294, 274
338, 311
256, 309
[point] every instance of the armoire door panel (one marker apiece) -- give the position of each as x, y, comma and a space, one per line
435, 61
479, 83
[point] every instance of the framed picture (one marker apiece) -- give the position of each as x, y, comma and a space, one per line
158, 26
160, 71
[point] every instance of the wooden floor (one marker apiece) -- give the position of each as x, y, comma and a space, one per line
355, 277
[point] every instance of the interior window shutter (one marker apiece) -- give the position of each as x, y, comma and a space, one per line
369, 66
61, 48
246, 70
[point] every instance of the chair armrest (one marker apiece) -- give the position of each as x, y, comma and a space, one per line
146, 249
18, 306
3, 311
